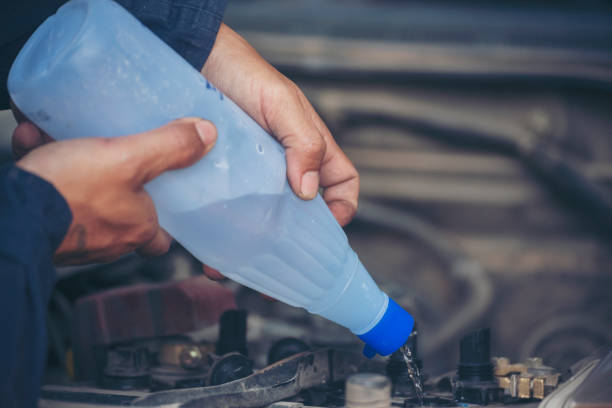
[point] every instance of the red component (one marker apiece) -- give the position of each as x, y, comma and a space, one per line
144, 311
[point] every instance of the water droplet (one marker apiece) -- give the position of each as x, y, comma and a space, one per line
222, 164
259, 148
413, 372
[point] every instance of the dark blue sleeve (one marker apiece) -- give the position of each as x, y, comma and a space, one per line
188, 26
34, 218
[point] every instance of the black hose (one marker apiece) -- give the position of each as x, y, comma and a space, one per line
563, 180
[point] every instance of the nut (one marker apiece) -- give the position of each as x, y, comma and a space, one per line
191, 357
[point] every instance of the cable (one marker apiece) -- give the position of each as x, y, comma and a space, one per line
561, 178
460, 267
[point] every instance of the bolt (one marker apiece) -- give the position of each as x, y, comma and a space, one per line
534, 362
191, 357
367, 390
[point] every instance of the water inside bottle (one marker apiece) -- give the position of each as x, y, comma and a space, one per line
275, 244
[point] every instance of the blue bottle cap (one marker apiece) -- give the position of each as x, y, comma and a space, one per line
391, 332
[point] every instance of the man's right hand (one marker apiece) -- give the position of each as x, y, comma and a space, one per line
102, 180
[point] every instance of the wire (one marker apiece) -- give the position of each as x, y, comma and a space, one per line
565, 181
460, 267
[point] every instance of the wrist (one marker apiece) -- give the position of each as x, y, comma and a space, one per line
236, 69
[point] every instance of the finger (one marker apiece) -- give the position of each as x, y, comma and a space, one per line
21, 118
339, 178
304, 145
17, 114
304, 150
303, 163
212, 273
268, 298
158, 245
173, 146
342, 210
26, 137
340, 181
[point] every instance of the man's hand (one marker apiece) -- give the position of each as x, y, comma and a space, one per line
102, 181
279, 106
313, 158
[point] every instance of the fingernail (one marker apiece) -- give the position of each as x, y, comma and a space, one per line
207, 132
310, 184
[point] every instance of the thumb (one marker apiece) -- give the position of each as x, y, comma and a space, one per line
176, 145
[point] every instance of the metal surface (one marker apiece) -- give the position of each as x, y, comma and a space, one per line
358, 58
232, 332
574, 25
475, 382
595, 391
143, 311
526, 380
459, 267
445, 109
367, 390
181, 363
564, 394
230, 367
126, 368
285, 348
281, 380
278, 381
482, 136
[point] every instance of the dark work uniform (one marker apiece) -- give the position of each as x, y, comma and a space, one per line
34, 217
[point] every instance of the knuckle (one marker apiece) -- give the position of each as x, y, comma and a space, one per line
318, 144
291, 92
278, 94
144, 234
146, 229
162, 246
285, 88
290, 85
314, 146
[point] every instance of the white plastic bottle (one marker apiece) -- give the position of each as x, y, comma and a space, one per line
93, 70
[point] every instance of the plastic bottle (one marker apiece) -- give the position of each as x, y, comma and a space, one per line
92, 69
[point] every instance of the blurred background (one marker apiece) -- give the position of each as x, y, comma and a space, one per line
482, 132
